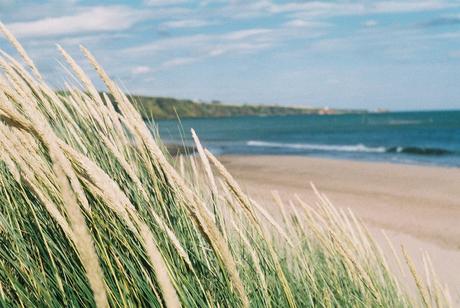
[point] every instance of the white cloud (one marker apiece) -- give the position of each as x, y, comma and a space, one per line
170, 44
179, 61
200, 41
164, 2
300, 9
91, 19
242, 34
142, 69
304, 21
186, 23
237, 48
198, 47
296, 23
411, 6
300, 23
317, 7
215, 51
311, 9
370, 23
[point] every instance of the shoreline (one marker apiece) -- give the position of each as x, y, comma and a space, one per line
176, 148
417, 206
348, 159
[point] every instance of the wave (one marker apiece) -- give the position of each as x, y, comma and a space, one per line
351, 148
317, 147
420, 151
407, 122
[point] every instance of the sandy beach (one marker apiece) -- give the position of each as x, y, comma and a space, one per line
417, 206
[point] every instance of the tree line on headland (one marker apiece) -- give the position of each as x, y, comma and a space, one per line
169, 108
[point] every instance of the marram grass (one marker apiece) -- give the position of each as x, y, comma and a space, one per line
94, 213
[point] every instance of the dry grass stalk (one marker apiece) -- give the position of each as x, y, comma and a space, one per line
12, 39
205, 162
159, 266
272, 221
51, 144
417, 279
246, 203
70, 188
195, 206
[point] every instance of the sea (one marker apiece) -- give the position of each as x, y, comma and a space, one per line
424, 138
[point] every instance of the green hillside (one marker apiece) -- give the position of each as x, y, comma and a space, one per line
167, 108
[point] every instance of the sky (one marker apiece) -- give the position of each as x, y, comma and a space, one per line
397, 55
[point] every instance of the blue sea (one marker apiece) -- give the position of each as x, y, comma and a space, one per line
431, 138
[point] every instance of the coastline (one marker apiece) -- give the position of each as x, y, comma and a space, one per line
417, 206
417, 138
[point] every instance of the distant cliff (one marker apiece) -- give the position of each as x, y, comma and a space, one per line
169, 108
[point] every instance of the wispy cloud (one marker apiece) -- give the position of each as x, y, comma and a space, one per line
140, 70
411, 6
246, 33
212, 49
169, 44
239, 48
185, 23
193, 48
443, 21
248, 9
200, 41
164, 2
138, 38
90, 19
370, 23
317, 8
179, 61
300, 23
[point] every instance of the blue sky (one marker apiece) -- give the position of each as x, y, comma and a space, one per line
396, 54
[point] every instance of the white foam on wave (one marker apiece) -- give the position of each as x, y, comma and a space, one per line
406, 122
317, 147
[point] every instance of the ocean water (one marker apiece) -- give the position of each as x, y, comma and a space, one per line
406, 137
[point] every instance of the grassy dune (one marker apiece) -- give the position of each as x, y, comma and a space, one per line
94, 213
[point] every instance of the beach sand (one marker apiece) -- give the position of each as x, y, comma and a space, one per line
417, 206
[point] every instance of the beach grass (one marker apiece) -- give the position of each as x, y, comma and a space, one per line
94, 212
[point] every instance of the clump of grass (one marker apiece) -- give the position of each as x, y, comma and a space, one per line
94, 213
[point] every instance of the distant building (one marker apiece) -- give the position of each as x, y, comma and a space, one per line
327, 110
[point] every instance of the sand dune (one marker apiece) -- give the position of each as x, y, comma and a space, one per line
418, 207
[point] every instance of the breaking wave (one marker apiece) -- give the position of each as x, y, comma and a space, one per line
350, 148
